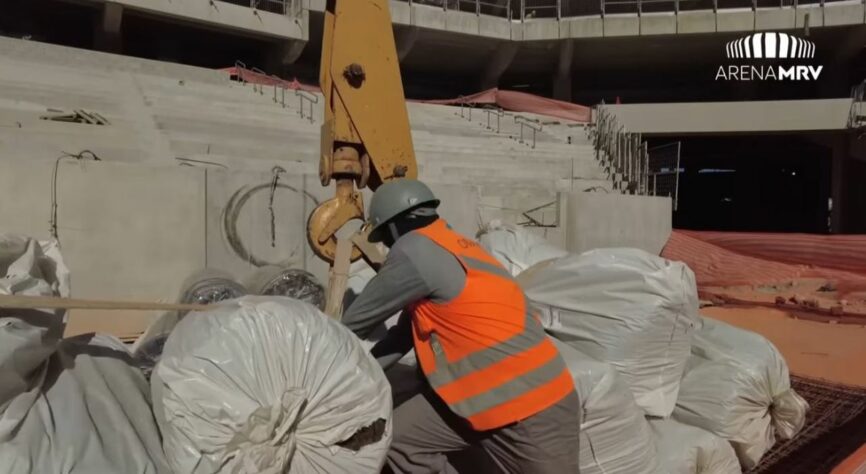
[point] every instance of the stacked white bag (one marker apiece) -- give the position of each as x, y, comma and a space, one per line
70, 406
737, 386
270, 385
684, 449
515, 247
614, 435
626, 307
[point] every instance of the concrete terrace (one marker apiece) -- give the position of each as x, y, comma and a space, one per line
188, 159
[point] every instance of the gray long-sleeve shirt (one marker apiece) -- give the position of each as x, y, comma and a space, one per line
416, 269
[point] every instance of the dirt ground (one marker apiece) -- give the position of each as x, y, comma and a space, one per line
824, 350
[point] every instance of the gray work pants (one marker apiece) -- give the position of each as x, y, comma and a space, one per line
425, 429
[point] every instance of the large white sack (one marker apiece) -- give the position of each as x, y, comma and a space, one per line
684, 449
626, 307
737, 386
615, 438
516, 247
27, 338
30, 267
270, 385
92, 415
71, 406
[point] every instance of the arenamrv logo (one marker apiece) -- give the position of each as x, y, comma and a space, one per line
780, 48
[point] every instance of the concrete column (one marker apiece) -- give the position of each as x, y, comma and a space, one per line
562, 77
405, 39
108, 34
290, 51
497, 64
284, 54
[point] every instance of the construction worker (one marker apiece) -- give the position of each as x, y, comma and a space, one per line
493, 379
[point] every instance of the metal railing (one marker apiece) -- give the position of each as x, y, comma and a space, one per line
495, 112
258, 87
664, 171
281, 7
526, 122
309, 98
527, 10
856, 117
465, 108
240, 71
500, 8
623, 154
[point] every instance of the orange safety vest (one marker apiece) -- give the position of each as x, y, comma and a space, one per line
483, 352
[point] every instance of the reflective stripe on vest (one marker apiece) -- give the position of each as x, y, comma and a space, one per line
505, 381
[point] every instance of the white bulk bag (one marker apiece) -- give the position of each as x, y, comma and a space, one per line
270, 385
684, 449
626, 307
615, 438
27, 338
516, 247
737, 386
92, 415
71, 406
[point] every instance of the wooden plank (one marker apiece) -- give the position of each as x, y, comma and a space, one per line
338, 279
51, 302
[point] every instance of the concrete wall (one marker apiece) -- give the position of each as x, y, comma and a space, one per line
735, 117
597, 220
181, 155
130, 232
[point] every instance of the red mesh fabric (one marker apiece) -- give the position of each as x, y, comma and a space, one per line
715, 265
523, 102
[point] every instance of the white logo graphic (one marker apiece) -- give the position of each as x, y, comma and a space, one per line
770, 45
774, 46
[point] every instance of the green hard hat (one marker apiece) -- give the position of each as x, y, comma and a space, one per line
396, 197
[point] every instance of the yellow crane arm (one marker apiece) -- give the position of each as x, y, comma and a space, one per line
366, 139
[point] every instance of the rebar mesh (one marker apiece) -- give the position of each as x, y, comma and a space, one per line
835, 427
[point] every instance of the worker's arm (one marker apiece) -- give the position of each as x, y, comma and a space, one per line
415, 269
396, 343
397, 285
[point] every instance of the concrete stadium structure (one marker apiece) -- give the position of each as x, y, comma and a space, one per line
190, 170
198, 158
586, 50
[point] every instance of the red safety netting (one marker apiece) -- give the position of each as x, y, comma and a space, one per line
508, 100
522, 102
715, 265
842, 252
253, 77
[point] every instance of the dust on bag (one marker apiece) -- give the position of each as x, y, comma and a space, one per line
516, 247
28, 337
625, 307
684, 449
737, 386
92, 415
270, 385
615, 438
74, 405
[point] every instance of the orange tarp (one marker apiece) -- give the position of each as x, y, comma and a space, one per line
715, 265
841, 252
264, 79
508, 100
523, 102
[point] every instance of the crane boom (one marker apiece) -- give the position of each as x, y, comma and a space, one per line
365, 137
